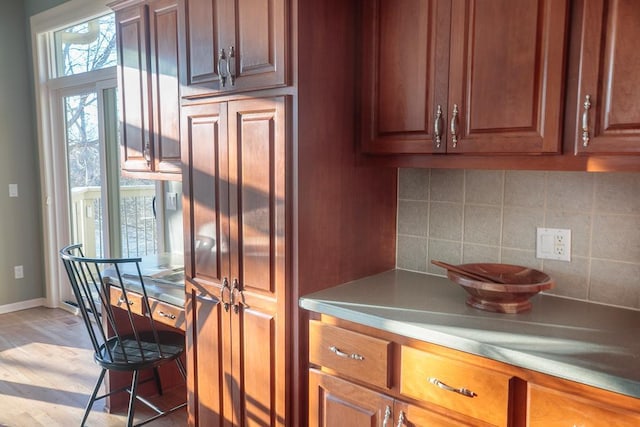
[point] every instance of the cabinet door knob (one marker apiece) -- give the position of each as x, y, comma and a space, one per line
437, 127
223, 67
454, 126
401, 419
463, 391
231, 66
147, 152
585, 121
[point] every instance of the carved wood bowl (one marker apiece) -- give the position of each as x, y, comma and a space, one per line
512, 296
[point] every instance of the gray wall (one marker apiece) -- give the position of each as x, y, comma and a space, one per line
20, 219
491, 216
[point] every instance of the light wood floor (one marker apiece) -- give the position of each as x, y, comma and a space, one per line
47, 373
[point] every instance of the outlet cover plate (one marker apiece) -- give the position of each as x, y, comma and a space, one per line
553, 243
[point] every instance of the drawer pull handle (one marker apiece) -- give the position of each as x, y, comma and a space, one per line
387, 416
121, 300
463, 391
167, 315
337, 351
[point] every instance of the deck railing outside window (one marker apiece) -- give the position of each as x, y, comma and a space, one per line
138, 224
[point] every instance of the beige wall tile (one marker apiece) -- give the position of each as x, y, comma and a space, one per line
413, 217
617, 192
616, 237
412, 253
520, 257
447, 185
484, 187
480, 253
572, 278
482, 224
445, 220
524, 188
519, 227
615, 283
570, 191
413, 184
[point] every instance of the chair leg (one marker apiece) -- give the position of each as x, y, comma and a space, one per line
132, 399
93, 397
156, 375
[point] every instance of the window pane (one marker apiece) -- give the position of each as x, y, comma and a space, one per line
86, 47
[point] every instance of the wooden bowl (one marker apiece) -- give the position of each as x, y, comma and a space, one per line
512, 296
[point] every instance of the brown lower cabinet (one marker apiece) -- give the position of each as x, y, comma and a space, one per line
406, 382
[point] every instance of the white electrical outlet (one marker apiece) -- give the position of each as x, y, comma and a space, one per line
13, 190
18, 272
553, 243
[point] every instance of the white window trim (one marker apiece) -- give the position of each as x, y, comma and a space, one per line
69, 13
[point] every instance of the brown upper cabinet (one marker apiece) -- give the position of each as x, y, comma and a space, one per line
462, 76
232, 46
608, 113
149, 90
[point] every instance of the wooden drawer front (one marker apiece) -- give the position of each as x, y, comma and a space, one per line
118, 300
550, 408
350, 353
425, 376
168, 314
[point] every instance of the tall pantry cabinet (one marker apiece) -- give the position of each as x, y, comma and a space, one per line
274, 202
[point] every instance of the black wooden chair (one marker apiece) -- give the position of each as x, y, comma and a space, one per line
132, 345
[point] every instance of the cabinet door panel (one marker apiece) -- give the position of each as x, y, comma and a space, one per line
206, 357
336, 402
134, 88
205, 190
507, 67
163, 31
609, 63
201, 45
405, 65
257, 164
413, 416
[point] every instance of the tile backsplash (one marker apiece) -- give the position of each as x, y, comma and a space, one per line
462, 216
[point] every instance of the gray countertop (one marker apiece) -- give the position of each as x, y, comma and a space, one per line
593, 344
163, 276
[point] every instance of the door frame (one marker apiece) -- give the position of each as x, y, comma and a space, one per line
54, 212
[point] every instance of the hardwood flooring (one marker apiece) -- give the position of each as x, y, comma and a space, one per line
47, 374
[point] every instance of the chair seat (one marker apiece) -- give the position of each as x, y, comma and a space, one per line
127, 354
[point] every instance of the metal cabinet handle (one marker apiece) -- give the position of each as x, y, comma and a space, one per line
223, 67
225, 285
231, 65
353, 356
167, 315
585, 121
463, 391
123, 300
401, 419
387, 416
437, 127
454, 126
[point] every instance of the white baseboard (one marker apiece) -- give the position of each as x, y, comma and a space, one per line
22, 305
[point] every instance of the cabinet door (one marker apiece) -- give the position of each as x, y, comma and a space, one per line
609, 61
253, 36
507, 70
133, 83
163, 43
404, 75
336, 402
206, 193
258, 211
207, 358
